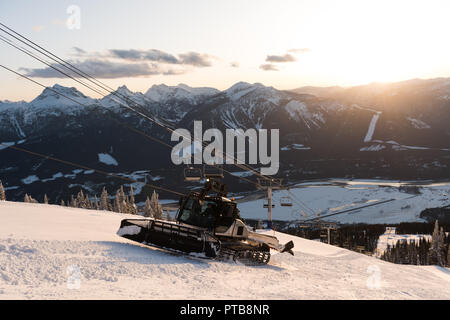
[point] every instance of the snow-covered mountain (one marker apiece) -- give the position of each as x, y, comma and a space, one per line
320, 137
55, 98
162, 93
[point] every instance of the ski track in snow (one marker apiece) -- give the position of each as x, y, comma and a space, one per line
39, 244
372, 125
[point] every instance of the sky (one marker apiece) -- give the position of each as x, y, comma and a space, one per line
285, 44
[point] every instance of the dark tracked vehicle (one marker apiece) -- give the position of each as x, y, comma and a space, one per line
207, 226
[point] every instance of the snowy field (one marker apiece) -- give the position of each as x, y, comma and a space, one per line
51, 252
312, 198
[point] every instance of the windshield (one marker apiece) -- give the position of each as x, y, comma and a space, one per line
206, 213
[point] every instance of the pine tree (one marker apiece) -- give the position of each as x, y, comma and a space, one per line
104, 201
437, 246
45, 199
448, 256
95, 205
122, 201
117, 202
32, 200
126, 205
26, 198
442, 247
259, 225
87, 202
81, 200
156, 206
73, 202
133, 207
148, 209
2, 192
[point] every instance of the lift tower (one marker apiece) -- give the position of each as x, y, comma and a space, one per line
269, 185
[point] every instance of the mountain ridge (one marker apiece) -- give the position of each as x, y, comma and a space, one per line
320, 137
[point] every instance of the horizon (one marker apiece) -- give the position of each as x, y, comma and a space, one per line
96, 96
287, 45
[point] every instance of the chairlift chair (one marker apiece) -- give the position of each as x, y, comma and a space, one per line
285, 201
192, 174
266, 204
213, 171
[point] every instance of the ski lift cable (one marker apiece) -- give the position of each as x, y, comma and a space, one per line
108, 114
56, 69
27, 52
293, 197
246, 168
87, 168
353, 209
119, 122
303, 207
44, 62
84, 105
72, 68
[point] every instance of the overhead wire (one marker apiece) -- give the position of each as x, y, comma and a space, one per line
87, 168
86, 76
86, 106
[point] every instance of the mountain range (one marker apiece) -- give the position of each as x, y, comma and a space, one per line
394, 131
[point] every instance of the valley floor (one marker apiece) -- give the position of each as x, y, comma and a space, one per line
331, 196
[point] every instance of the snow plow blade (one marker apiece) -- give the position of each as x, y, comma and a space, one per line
288, 247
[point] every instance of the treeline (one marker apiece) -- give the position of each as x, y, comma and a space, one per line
121, 203
434, 252
364, 238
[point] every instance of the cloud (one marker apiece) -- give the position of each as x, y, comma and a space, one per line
268, 67
284, 58
118, 63
144, 55
234, 64
190, 58
173, 72
300, 50
79, 51
99, 69
195, 59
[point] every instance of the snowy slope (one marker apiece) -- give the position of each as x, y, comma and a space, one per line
43, 246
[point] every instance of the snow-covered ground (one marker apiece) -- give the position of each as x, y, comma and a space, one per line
328, 197
43, 249
389, 239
